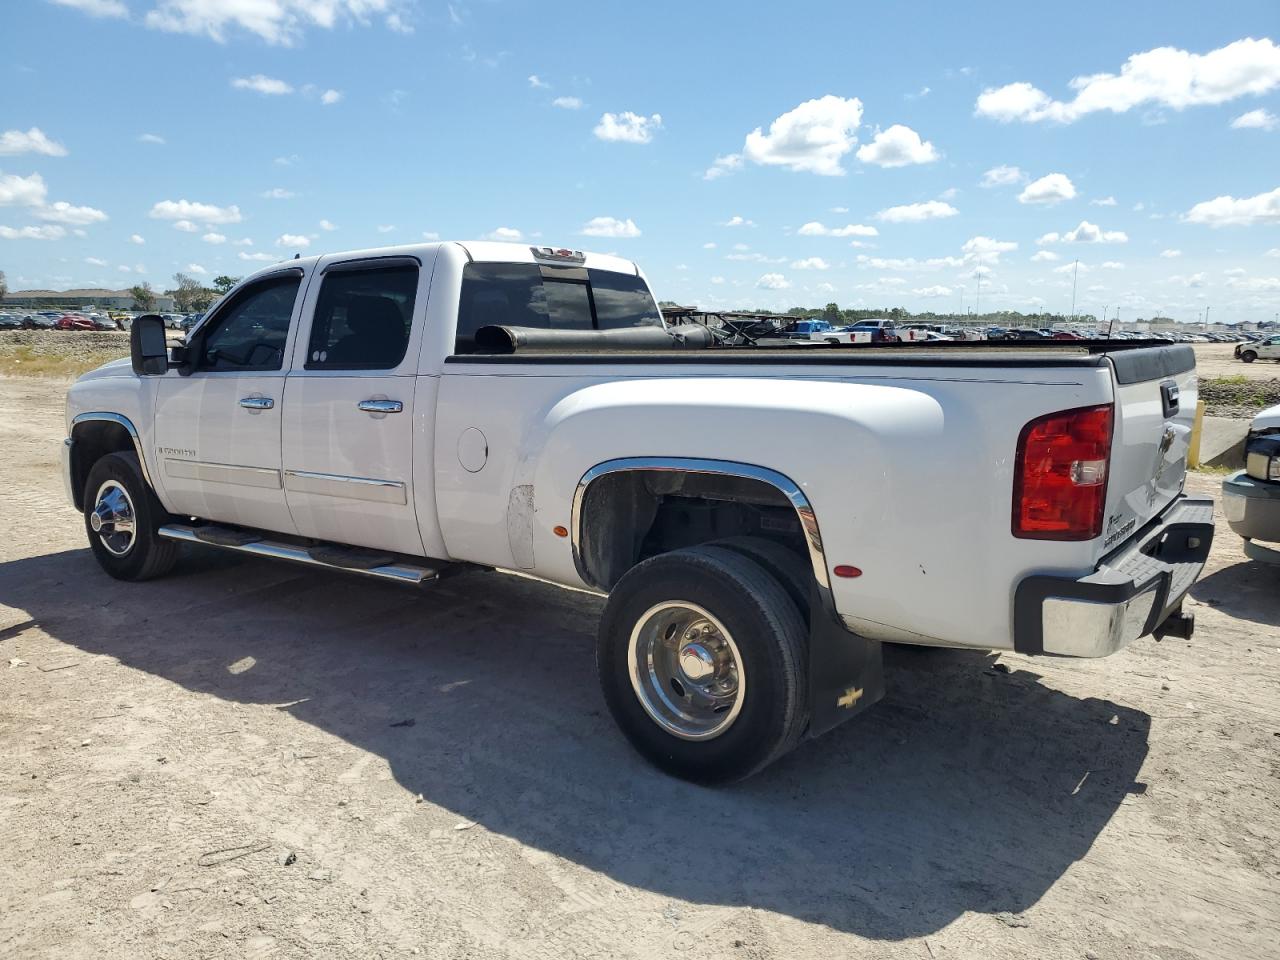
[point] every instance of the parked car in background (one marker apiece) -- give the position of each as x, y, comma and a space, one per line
39, 321
1064, 335
1025, 333
1268, 349
10, 321
75, 321
190, 320
172, 321
1251, 497
102, 322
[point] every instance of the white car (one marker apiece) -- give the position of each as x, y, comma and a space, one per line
761, 518
1251, 497
1265, 349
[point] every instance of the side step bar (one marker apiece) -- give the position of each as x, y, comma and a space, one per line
396, 571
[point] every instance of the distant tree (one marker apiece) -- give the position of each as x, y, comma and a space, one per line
224, 283
144, 298
187, 290
831, 313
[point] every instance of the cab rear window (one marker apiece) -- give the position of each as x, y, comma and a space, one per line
527, 295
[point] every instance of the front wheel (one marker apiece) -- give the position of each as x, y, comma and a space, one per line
1248, 356
121, 518
701, 657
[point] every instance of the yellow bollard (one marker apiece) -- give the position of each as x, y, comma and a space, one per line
1197, 426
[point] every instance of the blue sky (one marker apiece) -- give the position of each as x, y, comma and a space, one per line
871, 154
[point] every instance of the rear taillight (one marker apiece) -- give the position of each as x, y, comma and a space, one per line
1060, 476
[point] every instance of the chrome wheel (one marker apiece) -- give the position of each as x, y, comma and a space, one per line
686, 670
112, 518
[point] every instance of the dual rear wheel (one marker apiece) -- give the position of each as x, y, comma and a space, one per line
702, 659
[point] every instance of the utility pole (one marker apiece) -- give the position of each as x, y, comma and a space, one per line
1113, 322
1206, 317
1075, 270
978, 307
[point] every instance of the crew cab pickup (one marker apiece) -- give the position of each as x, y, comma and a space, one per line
761, 517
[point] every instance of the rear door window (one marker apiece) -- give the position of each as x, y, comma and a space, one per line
362, 318
525, 295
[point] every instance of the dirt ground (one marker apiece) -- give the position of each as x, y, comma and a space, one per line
247, 759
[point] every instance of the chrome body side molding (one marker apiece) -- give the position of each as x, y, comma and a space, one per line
350, 488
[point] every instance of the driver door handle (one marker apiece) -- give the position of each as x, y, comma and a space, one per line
381, 406
257, 403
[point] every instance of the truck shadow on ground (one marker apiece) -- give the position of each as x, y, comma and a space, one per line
961, 791
1245, 590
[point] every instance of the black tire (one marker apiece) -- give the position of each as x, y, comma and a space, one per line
1248, 356
148, 555
786, 566
770, 637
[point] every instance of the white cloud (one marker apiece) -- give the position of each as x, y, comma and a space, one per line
1053, 188
812, 138
1073, 268
1045, 256
504, 233
278, 193
915, 212
430, 235
257, 257
1103, 202
810, 263
1194, 280
1273, 252
709, 246
567, 103
275, 21
124, 269
386, 227
1170, 254
1111, 265
537, 83
186, 226
627, 127
196, 268
97, 8
1259, 119
741, 246
1228, 211
268, 86
986, 250
16, 191
1003, 176
827, 287
723, 165
330, 97
136, 238
154, 138
194, 210
773, 281
48, 232
717, 280
63, 212
1085, 232
293, 240
936, 291
909, 264
899, 146
95, 261
32, 141
212, 237
328, 225
610, 227
243, 242
754, 258
815, 229
1163, 77
1256, 284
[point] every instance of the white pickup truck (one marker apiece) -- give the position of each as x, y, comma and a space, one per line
761, 517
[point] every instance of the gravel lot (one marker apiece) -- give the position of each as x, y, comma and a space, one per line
251, 760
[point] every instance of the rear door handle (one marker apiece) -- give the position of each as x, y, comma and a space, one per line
257, 403
381, 406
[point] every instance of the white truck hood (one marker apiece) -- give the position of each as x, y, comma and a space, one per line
1268, 419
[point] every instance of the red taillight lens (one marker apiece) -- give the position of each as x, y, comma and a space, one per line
1060, 477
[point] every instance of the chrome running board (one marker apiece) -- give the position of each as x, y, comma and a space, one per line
409, 573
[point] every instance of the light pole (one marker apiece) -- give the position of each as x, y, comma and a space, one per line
1075, 270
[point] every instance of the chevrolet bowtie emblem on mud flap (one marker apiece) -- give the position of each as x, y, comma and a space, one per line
851, 697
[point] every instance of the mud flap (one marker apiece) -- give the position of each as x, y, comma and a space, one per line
846, 671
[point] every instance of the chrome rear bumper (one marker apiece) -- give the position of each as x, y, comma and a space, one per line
1130, 594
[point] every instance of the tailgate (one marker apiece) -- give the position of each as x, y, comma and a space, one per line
1155, 405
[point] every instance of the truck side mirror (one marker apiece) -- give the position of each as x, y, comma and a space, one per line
147, 347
